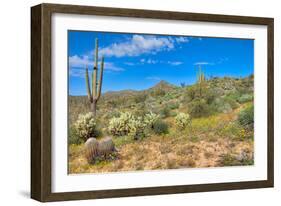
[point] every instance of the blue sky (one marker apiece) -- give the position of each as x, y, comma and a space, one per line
138, 61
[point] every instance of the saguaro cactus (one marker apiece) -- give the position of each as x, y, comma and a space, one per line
200, 79
94, 93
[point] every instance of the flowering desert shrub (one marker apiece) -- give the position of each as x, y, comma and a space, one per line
183, 120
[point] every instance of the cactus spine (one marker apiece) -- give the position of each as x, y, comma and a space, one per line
200, 80
94, 93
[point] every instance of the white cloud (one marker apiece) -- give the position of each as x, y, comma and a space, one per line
175, 63
149, 61
153, 61
81, 62
77, 72
220, 61
76, 61
109, 66
140, 44
203, 63
181, 39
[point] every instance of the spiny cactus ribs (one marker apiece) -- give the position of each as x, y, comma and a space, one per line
99, 148
94, 93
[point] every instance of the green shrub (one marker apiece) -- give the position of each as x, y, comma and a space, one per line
245, 98
192, 92
246, 117
173, 113
85, 126
199, 108
209, 95
233, 104
140, 97
221, 105
160, 127
183, 120
233, 95
165, 112
73, 138
173, 106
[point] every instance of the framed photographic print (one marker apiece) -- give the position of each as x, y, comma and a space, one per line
132, 102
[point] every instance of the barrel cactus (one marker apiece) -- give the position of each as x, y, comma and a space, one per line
183, 120
95, 148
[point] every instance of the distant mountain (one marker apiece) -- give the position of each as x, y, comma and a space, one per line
163, 85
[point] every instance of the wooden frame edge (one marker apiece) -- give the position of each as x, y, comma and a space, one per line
41, 101
36, 58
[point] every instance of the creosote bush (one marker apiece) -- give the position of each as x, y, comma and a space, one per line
183, 120
85, 126
160, 127
245, 98
73, 138
199, 108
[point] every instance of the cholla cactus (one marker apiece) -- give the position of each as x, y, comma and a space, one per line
85, 126
183, 120
150, 119
127, 124
136, 128
119, 126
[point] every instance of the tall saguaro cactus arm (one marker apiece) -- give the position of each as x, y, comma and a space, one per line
94, 81
88, 84
100, 80
95, 93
